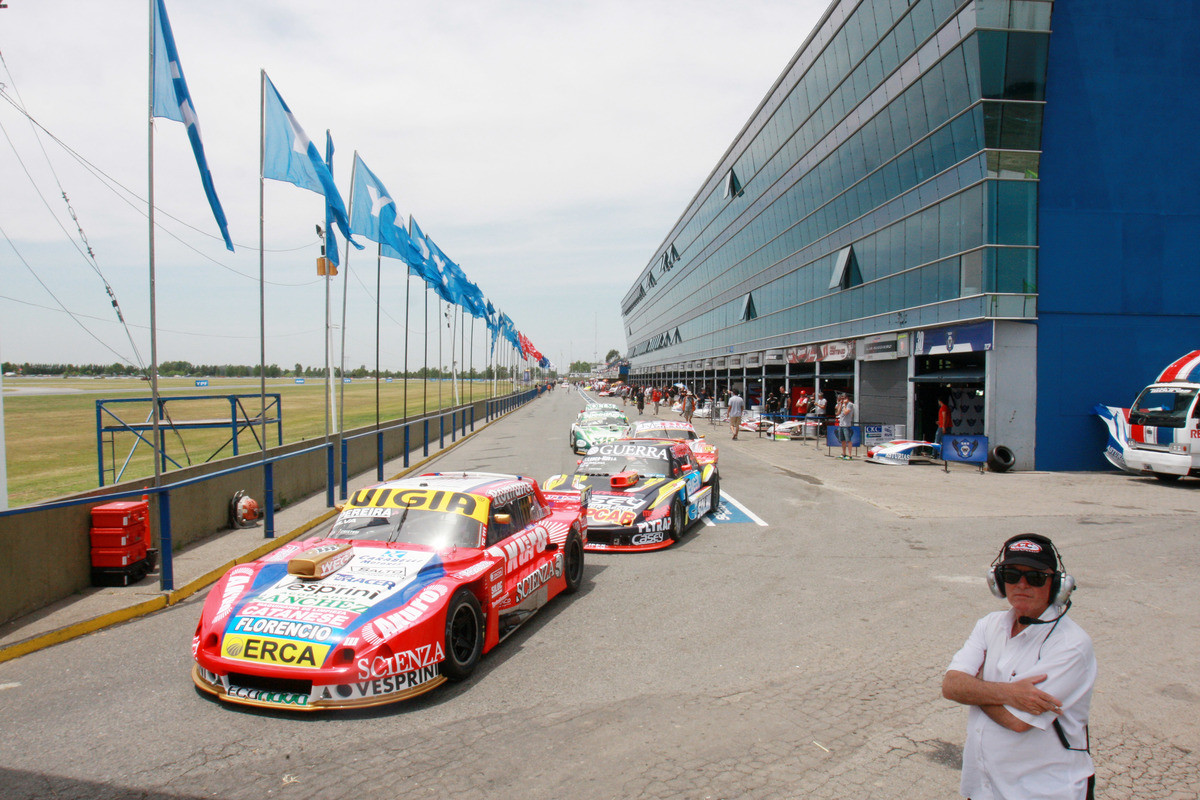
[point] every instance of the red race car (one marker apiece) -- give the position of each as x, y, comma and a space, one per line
704, 452
415, 581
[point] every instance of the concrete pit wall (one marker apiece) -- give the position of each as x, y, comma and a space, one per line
45, 553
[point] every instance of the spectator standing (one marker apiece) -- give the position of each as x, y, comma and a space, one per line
845, 420
689, 405
737, 407
655, 397
640, 393
818, 412
1027, 675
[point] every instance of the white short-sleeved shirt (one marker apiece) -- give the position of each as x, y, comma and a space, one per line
999, 764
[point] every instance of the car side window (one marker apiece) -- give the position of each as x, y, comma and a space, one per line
533, 509
498, 530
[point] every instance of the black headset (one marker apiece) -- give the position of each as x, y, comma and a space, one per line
1061, 584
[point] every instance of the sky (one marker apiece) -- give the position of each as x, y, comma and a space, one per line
548, 147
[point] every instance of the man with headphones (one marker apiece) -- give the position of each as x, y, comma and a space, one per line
1027, 674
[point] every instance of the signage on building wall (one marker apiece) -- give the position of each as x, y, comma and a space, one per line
754, 360
884, 346
773, 357
718, 363
735, 361
830, 351
955, 339
708, 363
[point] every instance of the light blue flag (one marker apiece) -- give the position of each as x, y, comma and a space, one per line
289, 155
373, 215
428, 269
170, 99
331, 242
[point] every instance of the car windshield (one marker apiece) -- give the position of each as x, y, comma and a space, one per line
1162, 406
437, 529
651, 461
668, 433
604, 420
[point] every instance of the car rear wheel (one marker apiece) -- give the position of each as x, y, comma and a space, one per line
464, 635
678, 520
573, 569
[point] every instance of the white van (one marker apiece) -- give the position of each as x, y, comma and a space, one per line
1164, 423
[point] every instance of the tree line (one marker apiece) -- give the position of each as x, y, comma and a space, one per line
185, 369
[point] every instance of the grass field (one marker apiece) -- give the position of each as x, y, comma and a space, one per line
51, 438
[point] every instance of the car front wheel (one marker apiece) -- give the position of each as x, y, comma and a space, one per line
464, 635
678, 520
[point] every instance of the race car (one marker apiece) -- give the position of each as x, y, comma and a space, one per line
593, 427
902, 452
670, 429
416, 579
643, 493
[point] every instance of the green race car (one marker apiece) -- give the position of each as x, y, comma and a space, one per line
595, 427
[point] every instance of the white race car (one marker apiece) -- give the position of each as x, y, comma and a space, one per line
904, 451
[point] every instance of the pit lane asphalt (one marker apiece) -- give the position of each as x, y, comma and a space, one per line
802, 659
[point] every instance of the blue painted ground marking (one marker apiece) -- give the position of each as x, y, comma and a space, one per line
731, 510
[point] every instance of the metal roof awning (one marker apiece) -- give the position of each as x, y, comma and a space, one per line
828, 375
951, 376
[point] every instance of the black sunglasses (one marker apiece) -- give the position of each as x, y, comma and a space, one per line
1012, 575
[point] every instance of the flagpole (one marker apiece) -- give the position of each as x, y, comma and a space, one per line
166, 577
441, 352
407, 293
341, 431
378, 303
425, 377
453, 361
471, 385
262, 283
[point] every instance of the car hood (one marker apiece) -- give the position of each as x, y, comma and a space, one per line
263, 599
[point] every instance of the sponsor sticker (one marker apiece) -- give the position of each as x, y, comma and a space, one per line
466, 505
265, 650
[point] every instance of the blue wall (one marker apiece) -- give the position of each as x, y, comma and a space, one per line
1118, 214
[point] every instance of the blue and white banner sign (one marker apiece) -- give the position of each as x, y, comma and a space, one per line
971, 449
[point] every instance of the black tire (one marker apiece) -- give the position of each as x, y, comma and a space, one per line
464, 635
1001, 459
678, 520
573, 566
1167, 478
716, 494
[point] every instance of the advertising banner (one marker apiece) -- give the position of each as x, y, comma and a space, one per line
856, 436
975, 337
878, 434
970, 449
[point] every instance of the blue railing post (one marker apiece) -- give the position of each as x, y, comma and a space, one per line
100, 445
472, 419
166, 575
345, 483
329, 479
269, 499
442, 431
379, 454
453, 426
233, 427
406, 427
426, 445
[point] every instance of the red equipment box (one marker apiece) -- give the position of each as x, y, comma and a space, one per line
121, 537
118, 556
121, 514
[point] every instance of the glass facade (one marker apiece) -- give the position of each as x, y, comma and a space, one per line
907, 132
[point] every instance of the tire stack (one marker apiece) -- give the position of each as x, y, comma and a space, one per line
120, 539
